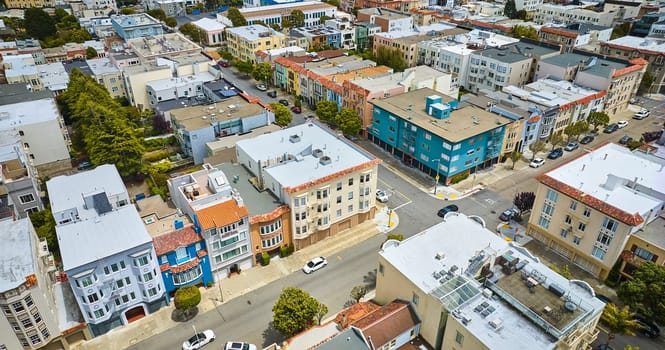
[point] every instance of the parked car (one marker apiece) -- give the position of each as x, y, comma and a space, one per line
296, 109
223, 63
537, 163
508, 214
643, 113
611, 128
625, 139
587, 139
622, 124
571, 146
314, 264
647, 327
604, 347
381, 196
236, 345
447, 209
556, 153
199, 340
84, 165
261, 87
272, 94
284, 102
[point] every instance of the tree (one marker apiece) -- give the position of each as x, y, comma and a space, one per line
244, 67
574, 130
158, 14
519, 31
68, 22
347, 120
44, 225
321, 311
522, 14
90, 53
127, 11
171, 22
514, 157
298, 18
555, 140
236, 18
326, 111
645, 84
391, 57
282, 114
211, 4
38, 23
60, 14
262, 72
618, 321
187, 298
294, 311
620, 30
510, 10
535, 148
524, 201
287, 23
191, 31
79, 35
598, 118
358, 292
227, 56
646, 291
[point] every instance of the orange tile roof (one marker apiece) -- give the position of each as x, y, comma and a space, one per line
186, 266
558, 31
355, 312
629, 48
270, 216
171, 241
330, 177
221, 214
390, 320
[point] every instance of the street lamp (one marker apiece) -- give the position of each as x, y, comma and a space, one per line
195, 332
436, 179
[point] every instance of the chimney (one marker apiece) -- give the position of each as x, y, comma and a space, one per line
605, 157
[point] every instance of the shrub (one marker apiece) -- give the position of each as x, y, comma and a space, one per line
459, 177
156, 156
155, 144
291, 249
209, 284
265, 259
283, 251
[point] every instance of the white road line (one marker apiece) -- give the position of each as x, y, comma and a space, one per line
402, 205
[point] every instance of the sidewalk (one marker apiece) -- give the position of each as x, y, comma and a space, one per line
245, 282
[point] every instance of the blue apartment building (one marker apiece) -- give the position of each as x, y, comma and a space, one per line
136, 26
183, 258
436, 134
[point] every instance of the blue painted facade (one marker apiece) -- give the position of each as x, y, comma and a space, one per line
429, 152
136, 26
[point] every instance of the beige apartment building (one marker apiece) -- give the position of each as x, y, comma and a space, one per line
26, 4
243, 42
588, 209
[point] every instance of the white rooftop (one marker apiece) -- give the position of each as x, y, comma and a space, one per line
250, 10
208, 24
19, 65
53, 76
637, 42
101, 66
65, 191
284, 50
484, 37
252, 32
385, 82
169, 83
27, 113
91, 239
16, 253
606, 174
457, 261
305, 168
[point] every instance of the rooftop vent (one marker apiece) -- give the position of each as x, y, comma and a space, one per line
439, 256
317, 153
325, 160
294, 138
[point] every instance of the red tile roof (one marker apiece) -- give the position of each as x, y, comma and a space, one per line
387, 322
354, 313
559, 32
180, 238
330, 177
201, 253
270, 216
221, 214
186, 266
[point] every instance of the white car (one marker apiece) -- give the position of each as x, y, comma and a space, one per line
381, 196
199, 340
622, 124
536, 163
643, 113
236, 345
261, 87
315, 264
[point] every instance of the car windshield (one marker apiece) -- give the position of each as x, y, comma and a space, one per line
311, 263
195, 339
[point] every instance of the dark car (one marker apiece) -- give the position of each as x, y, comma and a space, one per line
556, 153
507, 214
284, 102
571, 146
647, 327
447, 209
223, 63
296, 109
611, 128
272, 94
625, 139
84, 165
604, 347
587, 139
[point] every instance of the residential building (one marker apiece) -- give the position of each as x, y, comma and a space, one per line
55, 54
359, 93
270, 55
513, 64
587, 209
624, 10
33, 47
25, 4
38, 125
243, 42
196, 126
19, 180
54, 77
528, 5
136, 26
101, 26
172, 8
395, 5
219, 215
105, 73
31, 317
642, 27
258, 3
274, 14
389, 21
483, 8
165, 46
116, 279
318, 37
574, 35
650, 49
101, 4
519, 294
187, 86
619, 78
21, 69
364, 31
567, 14
211, 31
347, 31
428, 132
326, 180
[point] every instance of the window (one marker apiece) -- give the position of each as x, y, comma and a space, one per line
350, 208
564, 232
350, 195
181, 253
34, 339
45, 334
28, 301
544, 222
644, 254
119, 284
128, 281
459, 338
573, 205
99, 313
552, 196
339, 199
339, 212
548, 209
610, 224
141, 261
414, 298
351, 182
6, 309
26, 323
36, 316
598, 253
147, 277
339, 186
26, 198
581, 226
568, 220
18, 306
93, 298
587, 212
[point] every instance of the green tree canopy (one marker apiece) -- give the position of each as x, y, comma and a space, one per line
38, 23
191, 31
90, 52
598, 118
514, 157
645, 293
236, 17
349, 122
575, 130
535, 148
60, 13
262, 72
282, 114
298, 18
68, 22
244, 67
618, 321
127, 11
321, 310
326, 111
391, 57
187, 298
524, 31
510, 10
44, 225
358, 292
555, 140
78, 35
171, 22
646, 82
157, 13
294, 311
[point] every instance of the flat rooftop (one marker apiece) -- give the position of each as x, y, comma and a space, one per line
388, 81
163, 44
299, 143
258, 202
159, 216
594, 65
135, 20
198, 117
209, 24
230, 141
613, 180
653, 232
459, 126
54, 76
270, 10
636, 42
17, 93
181, 81
27, 113
102, 66
254, 32
17, 252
